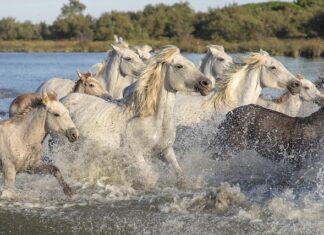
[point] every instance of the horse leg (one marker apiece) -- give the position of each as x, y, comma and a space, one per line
53, 170
9, 173
144, 175
171, 159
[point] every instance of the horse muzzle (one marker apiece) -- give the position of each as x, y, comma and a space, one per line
72, 134
294, 87
203, 86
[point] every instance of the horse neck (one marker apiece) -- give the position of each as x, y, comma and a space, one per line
164, 113
33, 125
166, 101
112, 74
101, 76
205, 68
246, 87
290, 104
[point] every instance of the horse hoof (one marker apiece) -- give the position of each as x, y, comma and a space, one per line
182, 183
8, 195
68, 191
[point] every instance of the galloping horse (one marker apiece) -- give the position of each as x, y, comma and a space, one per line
215, 62
242, 84
291, 101
272, 134
143, 123
21, 139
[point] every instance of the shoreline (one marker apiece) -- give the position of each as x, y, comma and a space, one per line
309, 48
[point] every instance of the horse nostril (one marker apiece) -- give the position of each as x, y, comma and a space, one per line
72, 134
296, 84
204, 83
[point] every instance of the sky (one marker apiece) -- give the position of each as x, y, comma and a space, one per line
47, 10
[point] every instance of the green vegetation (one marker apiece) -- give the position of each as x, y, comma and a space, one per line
294, 29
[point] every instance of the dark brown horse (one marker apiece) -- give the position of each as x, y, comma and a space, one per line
272, 134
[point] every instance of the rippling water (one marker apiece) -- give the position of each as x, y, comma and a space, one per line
243, 195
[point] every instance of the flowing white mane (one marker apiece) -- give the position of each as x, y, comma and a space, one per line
148, 87
223, 94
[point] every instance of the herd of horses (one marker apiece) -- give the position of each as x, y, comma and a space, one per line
129, 104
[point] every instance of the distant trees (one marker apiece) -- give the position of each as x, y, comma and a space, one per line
72, 24
10, 29
300, 19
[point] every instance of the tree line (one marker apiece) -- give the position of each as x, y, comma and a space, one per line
301, 19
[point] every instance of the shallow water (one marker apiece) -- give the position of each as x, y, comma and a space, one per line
243, 195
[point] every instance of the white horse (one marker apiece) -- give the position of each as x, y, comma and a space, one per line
242, 84
120, 69
86, 83
291, 101
21, 139
215, 62
142, 125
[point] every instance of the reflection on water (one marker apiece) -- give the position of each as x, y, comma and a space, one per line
242, 195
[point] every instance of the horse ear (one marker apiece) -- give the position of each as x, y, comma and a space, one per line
48, 97
45, 98
137, 50
116, 38
216, 47
52, 96
116, 48
262, 52
79, 74
88, 74
300, 76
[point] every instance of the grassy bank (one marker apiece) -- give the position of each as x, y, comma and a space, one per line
292, 47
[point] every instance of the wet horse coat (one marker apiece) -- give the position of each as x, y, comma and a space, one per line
21, 139
273, 135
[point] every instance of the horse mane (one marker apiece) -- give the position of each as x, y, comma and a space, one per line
149, 84
222, 94
33, 102
99, 68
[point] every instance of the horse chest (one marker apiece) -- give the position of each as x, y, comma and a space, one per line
29, 157
150, 137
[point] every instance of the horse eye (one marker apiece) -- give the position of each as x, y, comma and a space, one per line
179, 66
273, 67
128, 58
220, 59
306, 88
56, 114
91, 85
